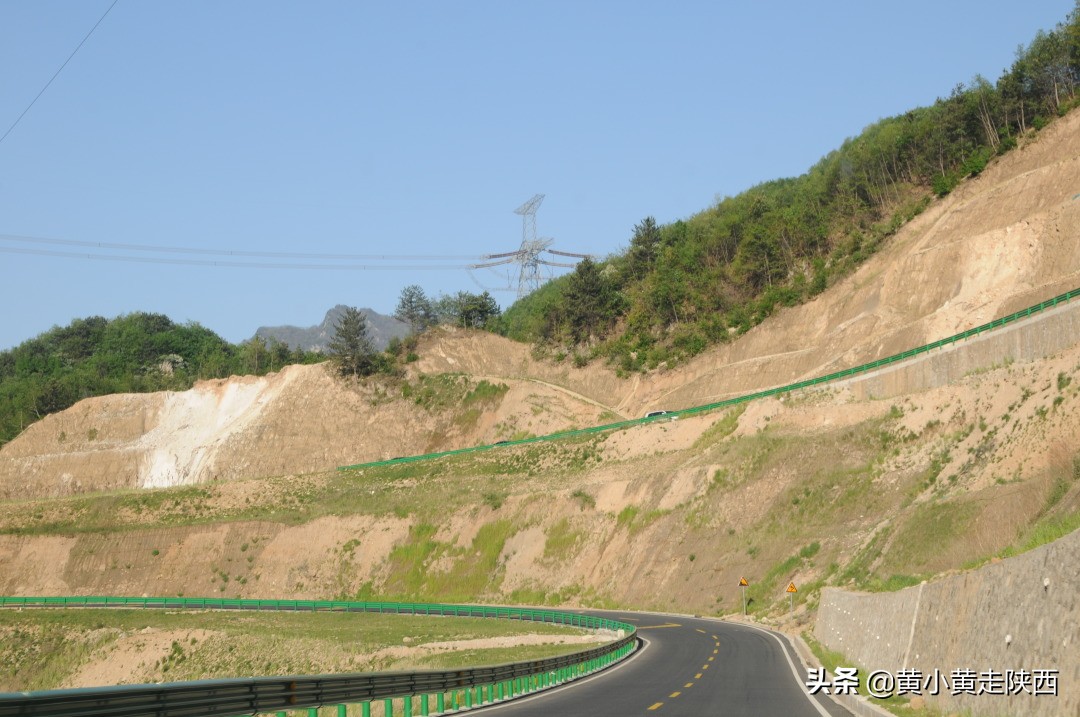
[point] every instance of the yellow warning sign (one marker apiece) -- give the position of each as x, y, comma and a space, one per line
791, 588
743, 583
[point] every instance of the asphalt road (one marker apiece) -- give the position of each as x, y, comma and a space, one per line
688, 666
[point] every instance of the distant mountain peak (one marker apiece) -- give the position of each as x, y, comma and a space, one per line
381, 329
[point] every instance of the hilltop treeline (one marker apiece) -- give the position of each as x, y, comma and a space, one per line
682, 286
134, 353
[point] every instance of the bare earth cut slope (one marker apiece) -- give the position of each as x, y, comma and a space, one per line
964, 456
1000, 242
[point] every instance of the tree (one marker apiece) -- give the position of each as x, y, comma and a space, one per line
254, 355
477, 310
590, 302
643, 246
465, 309
415, 309
351, 346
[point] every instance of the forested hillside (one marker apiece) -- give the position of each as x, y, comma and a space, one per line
134, 353
682, 286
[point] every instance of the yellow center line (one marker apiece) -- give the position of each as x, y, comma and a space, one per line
688, 684
697, 676
675, 694
655, 627
715, 652
705, 666
700, 630
711, 659
716, 638
656, 706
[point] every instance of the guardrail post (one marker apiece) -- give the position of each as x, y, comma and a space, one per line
440, 703
388, 707
365, 709
341, 711
424, 705
408, 706
312, 712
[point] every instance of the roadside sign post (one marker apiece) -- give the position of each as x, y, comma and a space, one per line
742, 586
791, 589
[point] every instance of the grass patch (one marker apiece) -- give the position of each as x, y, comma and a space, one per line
426, 489
426, 569
721, 429
928, 534
41, 648
634, 519
762, 590
830, 660
1047, 530
585, 500
485, 392
561, 540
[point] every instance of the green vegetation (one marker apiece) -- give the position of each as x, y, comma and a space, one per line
444, 391
42, 648
561, 540
634, 519
135, 353
830, 660
721, 429
351, 349
682, 286
465, 572
586, 500
463, 309
762, 589
918, 540
1054, 520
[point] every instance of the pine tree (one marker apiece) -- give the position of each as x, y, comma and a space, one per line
351, 346
415, 309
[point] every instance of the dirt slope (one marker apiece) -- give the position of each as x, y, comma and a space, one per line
823, 487
299, 420
998, 243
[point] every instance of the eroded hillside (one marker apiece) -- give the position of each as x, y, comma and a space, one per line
831, 486
299, 420
817, 488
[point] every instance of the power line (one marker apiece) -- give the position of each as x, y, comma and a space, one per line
235, 252
57, 73
234, 264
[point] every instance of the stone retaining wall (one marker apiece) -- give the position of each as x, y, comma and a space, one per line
1018, 613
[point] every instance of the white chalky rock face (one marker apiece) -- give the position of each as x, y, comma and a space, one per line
191, 422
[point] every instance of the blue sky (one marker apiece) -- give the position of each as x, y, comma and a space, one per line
416, 129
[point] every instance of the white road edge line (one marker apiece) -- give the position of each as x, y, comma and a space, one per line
560, 688
783, 648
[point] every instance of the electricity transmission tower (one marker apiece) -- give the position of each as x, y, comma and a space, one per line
529, 278
528, 255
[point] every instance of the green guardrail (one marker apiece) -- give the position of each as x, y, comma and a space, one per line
727, 403
420, 691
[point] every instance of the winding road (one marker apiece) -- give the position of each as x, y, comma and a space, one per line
689, 666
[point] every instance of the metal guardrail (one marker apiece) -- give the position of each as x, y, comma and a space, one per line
247, 696
707, 408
